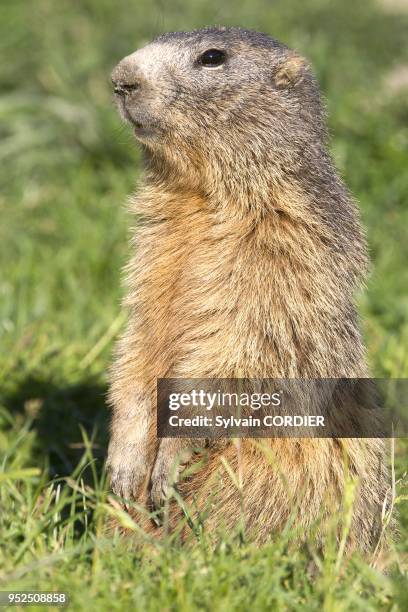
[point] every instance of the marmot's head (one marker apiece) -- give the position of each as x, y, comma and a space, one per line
220, 97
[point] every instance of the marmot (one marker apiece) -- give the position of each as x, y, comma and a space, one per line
248, 253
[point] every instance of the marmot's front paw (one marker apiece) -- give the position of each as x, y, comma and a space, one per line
128, 472
170, 461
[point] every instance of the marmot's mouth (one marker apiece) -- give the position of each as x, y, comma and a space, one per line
142, 130
139, 129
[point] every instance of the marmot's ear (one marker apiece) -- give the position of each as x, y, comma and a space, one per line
290, 71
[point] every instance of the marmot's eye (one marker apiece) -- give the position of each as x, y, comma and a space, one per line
212, 57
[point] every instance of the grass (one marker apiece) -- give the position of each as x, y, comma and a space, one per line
66, 167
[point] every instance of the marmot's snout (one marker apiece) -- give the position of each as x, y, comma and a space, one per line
132, 95
126, 76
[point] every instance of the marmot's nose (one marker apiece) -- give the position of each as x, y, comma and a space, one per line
126, 77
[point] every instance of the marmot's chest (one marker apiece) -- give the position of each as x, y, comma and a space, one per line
192, 265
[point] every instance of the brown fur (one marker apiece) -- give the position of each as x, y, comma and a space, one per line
248, 252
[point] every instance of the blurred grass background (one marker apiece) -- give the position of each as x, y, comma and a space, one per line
66, 166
